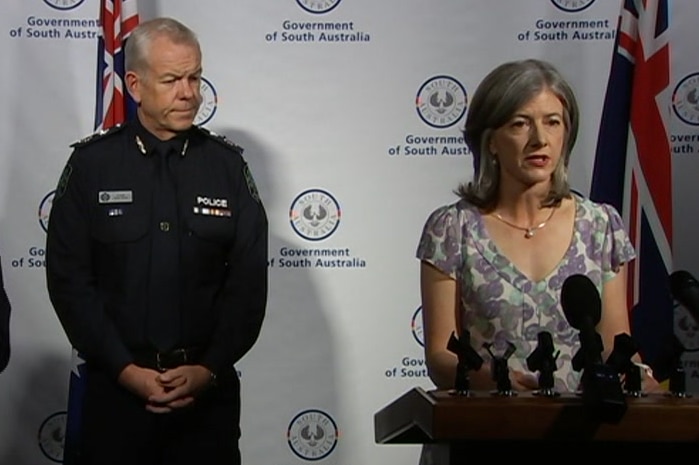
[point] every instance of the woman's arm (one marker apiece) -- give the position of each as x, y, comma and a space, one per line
615, 320
440, 306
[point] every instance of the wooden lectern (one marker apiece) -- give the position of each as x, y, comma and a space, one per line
491, 424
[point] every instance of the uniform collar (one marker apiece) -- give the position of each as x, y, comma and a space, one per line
147, 143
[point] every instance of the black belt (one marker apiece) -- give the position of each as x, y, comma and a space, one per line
162, 361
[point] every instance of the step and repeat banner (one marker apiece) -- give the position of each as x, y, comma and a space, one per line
331, 100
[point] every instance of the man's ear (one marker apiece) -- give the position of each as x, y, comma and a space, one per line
133, 85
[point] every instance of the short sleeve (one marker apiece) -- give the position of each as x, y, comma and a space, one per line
440, 243
618, 249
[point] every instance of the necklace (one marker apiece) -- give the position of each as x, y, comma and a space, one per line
528, 232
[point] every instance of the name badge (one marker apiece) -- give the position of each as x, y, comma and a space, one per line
107, 197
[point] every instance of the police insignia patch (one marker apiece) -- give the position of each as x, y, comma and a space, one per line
252, 188
63, 181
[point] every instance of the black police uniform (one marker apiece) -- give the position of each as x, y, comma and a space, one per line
108, 272
4, 325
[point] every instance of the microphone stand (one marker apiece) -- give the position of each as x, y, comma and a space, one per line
543, 360
620, 359
601, 383
500, 372
678, 380
468, 359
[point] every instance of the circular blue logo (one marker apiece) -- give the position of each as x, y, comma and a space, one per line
685, 99
441, 102
51, 436
63, 4
312, 435
416, 327
572, 6
45, 210
318, 6
314, 214
209, 103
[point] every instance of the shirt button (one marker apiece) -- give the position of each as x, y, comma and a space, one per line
164, 226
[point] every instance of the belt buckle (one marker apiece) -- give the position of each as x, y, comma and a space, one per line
158, 362
172, 359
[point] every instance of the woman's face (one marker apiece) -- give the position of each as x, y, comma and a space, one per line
528, 147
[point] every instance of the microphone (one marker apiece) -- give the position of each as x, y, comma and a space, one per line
582, 307
601, 383
685, 290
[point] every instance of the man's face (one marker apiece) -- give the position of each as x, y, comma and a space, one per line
167, 91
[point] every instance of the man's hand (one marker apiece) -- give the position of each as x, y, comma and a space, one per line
178, 387
144, 383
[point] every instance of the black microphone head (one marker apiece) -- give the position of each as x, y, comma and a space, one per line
581, 302
685, 289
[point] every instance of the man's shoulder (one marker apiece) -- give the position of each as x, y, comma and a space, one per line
101, 135
219, 139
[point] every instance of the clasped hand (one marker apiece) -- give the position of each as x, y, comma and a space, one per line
167, 391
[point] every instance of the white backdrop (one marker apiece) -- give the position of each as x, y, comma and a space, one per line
334, 122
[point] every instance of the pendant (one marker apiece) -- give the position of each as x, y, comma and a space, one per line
529, 233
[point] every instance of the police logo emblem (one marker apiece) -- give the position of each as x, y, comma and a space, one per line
52, 435
314, 214
45, 210
63, 4
685, 99
250, 181
209, 103
441, 102
312, 435
572, 6
318, 6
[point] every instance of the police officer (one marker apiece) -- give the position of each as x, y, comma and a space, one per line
157, 267
4, 325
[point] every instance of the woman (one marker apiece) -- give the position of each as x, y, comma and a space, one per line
494, 262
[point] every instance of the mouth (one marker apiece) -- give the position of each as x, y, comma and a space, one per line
537, 160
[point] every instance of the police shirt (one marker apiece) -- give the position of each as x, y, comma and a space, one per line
99, 257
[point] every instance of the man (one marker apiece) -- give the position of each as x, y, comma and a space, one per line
157, 267
4, 325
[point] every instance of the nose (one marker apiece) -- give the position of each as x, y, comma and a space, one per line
538, 136
186, 89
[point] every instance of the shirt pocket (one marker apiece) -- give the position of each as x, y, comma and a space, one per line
120, 225
212, 229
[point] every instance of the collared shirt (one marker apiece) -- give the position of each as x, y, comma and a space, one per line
99, 247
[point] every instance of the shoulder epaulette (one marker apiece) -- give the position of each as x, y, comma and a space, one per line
97, 135
221, 139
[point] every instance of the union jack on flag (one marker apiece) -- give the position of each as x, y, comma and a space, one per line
633, 169
114, 105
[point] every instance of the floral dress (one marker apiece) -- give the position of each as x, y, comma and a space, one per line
499, 304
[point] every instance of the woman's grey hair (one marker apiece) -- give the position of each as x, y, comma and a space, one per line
138, 43
498, 97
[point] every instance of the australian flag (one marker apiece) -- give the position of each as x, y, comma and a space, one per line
633, 168
113, 106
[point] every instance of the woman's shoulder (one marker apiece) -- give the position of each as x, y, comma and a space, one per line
461, 210
594, 208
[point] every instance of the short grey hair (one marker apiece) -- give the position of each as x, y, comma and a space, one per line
138, 43
501, 93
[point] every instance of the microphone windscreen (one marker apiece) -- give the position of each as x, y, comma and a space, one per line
581, 302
